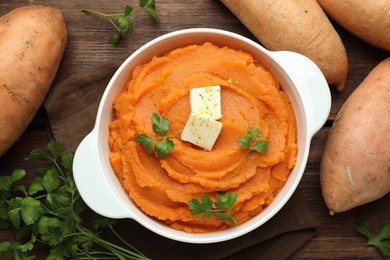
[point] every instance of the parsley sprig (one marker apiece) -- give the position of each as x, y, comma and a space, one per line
49, 211
164, 145
381, 240
122, 22
220, 208
249, 141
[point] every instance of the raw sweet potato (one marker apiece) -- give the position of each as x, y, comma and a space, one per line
32, 42
295, 25
368, 20
355, 167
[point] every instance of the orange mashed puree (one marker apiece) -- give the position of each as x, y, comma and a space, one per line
250, 97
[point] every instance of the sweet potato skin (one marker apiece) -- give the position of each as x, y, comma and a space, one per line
32, 42
368, 20
295, 25
355, 167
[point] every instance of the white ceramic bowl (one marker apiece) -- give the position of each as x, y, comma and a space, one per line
300, 78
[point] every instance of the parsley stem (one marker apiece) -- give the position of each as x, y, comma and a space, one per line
40, 197
114, 250
112, 247
58, 167
123, 241
100, 13
164, 137
88, 255
113, 23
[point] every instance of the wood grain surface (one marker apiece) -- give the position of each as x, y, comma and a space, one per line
336, 237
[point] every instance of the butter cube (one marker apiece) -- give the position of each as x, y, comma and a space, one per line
206, 101
201, 130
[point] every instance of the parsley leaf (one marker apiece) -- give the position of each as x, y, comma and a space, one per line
225, 200
4, 218
30, 210
146, 141
56, 149
50, 229
17, 175
121, 21
36, 186
244, 142
50, 181
253, 134
162, 148
150, 7
249, 141
114, 39
204, 206
260, 146
160, 124
226, 216
221, 208
381, 241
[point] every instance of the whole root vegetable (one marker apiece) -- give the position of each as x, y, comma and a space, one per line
295, 25
355, 167
368, 20
32, 42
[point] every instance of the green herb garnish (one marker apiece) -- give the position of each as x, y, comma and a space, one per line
381, 241
221, 208
122, 22
164, 145
248, 142
49, 211
150, 7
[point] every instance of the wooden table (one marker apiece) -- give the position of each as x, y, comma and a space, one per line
336, 237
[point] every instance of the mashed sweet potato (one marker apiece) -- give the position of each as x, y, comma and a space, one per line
250, 97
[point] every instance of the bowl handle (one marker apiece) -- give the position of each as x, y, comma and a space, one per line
92, 184
311, 85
